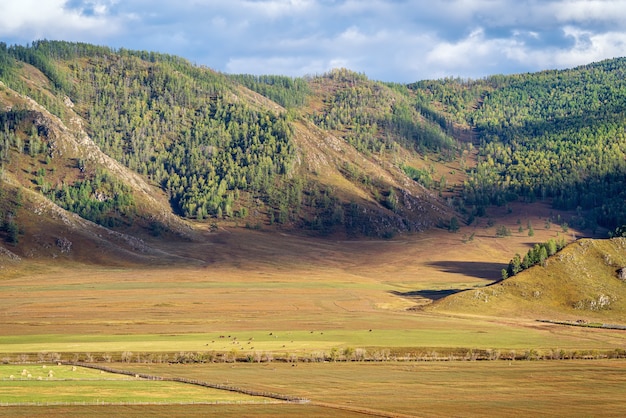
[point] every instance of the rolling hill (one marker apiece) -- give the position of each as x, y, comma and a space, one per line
582, 282
143, 143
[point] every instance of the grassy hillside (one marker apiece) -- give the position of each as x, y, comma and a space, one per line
581, 282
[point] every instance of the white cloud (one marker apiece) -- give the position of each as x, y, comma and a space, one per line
290, 66
274, 9
396, 40
588, 47
32, 19
570, 11
462, 56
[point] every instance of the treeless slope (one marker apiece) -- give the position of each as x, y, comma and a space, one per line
579, 283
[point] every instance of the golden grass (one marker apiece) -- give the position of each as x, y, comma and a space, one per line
580, 282
572, 388
313, 295
249, 282
530, 388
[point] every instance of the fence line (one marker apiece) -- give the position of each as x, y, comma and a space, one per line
271, 395
130, 403
584, 324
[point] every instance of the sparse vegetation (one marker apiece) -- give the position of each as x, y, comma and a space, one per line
503, 231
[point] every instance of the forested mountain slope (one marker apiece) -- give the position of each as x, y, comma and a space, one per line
555, 134
165, 143
201, 142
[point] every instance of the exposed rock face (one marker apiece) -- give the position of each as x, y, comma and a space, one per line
621, 273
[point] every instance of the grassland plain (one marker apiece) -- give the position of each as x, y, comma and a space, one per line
573, 388
62, 383
310, 294
559, 388
251, 293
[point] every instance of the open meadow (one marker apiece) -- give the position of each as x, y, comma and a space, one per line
52, 383
298, 316
572, 388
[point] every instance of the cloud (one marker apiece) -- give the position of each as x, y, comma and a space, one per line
585, 47
588, 11
395, 40
53, 19
588, 47
290, 66
461, 55
274, 9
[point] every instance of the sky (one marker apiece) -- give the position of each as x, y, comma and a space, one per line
388, 40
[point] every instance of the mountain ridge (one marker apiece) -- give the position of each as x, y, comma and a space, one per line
163, 147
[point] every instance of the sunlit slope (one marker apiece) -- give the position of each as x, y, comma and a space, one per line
581, 282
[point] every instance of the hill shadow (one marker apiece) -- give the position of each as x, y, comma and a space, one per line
481, 270
491, 272
427, 293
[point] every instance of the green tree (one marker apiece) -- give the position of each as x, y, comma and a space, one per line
551, 247
515, 265
454, 224
502, 231
543, 255
13, 232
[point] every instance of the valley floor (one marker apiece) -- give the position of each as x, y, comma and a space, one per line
571, 388
277, 297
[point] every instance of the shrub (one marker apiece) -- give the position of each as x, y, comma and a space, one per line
503, 231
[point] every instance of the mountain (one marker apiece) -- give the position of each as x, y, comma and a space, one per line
147, 145
139, 141
553, 135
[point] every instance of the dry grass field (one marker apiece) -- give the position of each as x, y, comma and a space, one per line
507, 389
311, 294
575, 388
252, 293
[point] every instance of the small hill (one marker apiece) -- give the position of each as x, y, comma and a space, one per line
581, 282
